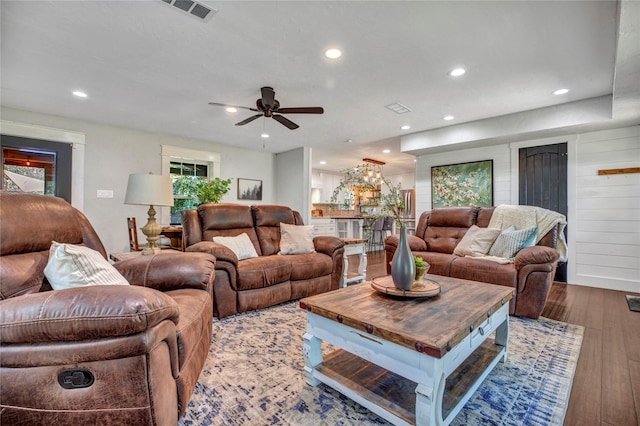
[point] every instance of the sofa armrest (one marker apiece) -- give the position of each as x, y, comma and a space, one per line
169, 271
535, 255
218, 250
415, 243
327, 244
84, 313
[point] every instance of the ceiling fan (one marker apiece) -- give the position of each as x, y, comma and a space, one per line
268, 106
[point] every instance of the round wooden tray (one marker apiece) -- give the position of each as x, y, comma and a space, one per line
422, 288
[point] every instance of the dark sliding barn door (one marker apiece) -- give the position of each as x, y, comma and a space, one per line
543, 182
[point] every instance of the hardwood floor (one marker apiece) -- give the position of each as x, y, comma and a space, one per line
606, 386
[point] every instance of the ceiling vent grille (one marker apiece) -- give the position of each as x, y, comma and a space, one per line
193, 8
398, 108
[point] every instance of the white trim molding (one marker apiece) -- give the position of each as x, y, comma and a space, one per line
77, 141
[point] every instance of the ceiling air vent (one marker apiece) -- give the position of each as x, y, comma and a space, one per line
398, 108
193, 8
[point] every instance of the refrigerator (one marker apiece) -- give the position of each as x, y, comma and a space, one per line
409, 212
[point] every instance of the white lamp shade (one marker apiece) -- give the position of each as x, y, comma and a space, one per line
147, 189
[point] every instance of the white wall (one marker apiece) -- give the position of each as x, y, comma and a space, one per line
604, 211
112, 153
293, 180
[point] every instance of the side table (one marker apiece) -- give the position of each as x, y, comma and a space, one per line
354, 246
116, 257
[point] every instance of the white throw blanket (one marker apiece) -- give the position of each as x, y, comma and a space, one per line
527, 216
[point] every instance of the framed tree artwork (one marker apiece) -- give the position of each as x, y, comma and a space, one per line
463, 184
249, 189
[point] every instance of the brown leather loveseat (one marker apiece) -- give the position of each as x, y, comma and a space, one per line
269, 278
441, 229
101, 354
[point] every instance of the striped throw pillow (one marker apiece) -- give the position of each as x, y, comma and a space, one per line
71, 266
511, 241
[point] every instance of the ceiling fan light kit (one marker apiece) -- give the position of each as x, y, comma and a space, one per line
268, 106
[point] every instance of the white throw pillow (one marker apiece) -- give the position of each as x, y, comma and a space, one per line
511, 241
71, 266
464, 245
477, 241
241, 245
296, 239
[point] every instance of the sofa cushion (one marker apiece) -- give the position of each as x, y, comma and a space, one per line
511, 241
308, 266
482, 270
267, 222
72, 265
22, 273
443, 239
263, 271
458, 217
295, 239
241, 245
440, 263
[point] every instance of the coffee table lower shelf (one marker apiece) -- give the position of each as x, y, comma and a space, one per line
375, 387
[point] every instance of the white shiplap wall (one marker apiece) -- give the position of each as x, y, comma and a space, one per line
607, 236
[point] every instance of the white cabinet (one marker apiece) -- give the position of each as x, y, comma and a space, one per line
324, 227
329, 183
349, 228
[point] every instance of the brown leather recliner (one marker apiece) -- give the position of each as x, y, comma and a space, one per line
440, 230
269, 279
125, 355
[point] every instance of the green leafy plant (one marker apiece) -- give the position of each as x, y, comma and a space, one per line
200, 191
420, 262
391, 202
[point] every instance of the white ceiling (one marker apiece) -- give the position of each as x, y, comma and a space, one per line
148, 66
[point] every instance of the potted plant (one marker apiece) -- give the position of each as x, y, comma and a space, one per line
190, 191
421, 267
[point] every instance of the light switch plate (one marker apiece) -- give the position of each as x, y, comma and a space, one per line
105, 193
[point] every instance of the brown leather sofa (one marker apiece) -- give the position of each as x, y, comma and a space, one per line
439, 231
105, 354
269, 279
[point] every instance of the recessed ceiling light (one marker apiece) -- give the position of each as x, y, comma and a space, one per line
348, 141
333, 53
323, 162
405, 127
80, 94
561, 91
457, 72
386, 151
448, 117
264, 135
231, 109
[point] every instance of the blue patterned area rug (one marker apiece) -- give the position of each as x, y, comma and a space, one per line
254, 376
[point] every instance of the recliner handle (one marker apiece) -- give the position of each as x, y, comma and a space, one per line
76, 378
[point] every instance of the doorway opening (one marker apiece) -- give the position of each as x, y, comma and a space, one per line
36, 166
542, 180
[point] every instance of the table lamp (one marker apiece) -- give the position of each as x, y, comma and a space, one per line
152, 190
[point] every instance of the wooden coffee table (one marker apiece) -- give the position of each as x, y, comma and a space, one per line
411, 361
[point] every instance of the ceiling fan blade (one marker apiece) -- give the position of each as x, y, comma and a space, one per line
268, 97
301, 110
248, 120
283, 120
229, 105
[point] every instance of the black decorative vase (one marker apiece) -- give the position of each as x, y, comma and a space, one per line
403, 268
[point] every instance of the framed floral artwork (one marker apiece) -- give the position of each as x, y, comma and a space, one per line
463, 184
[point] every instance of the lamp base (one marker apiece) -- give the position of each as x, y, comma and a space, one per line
151, 230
